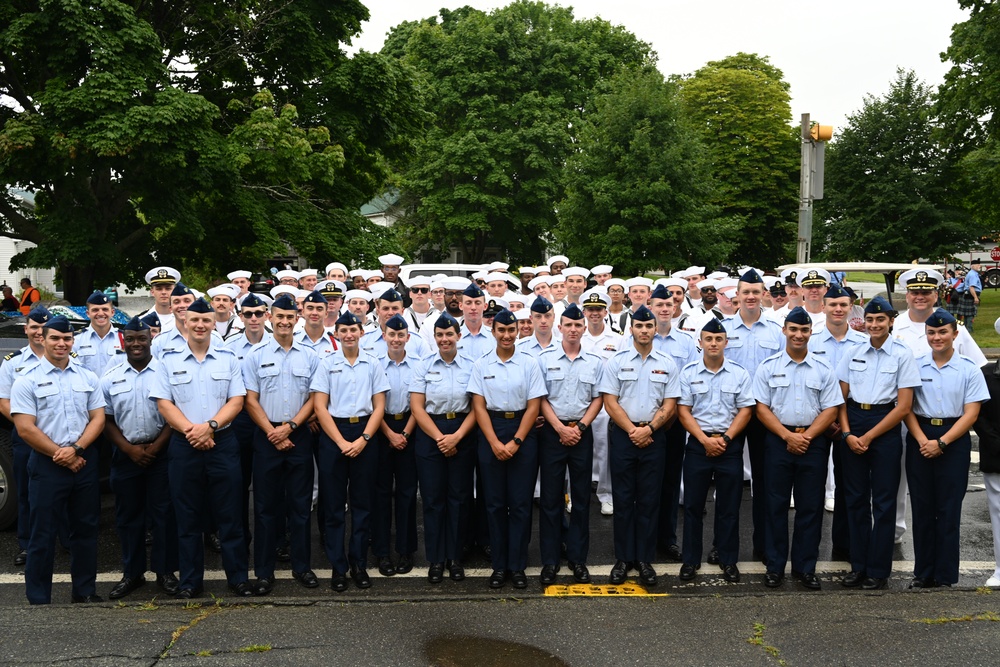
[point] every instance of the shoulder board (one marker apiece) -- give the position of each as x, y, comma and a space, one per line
74, 355
12, 355
691, 364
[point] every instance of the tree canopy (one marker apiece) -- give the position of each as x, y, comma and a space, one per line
890, 187
193, 132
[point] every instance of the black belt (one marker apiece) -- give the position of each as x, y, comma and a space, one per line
875, 407
714, 435
449, 415
796, 429
937, 421
351, 420
640, 423
501, 414
397, 416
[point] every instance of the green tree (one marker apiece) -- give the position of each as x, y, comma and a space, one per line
143, 131
741, 107
639, 186
890, 187
508, 91
968, 107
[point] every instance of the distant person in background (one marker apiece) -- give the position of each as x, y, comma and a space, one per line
29, 296
968, 296
10, 304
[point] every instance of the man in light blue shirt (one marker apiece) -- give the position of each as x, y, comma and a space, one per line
99, 346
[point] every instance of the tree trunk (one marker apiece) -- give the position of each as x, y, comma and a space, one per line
78, 282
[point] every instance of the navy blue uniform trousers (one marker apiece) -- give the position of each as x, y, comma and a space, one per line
339, 477
56, 493
208, 483
445, 490
142, 497
670, 495
937, 489
699, 471
554, 459
636, 486
805, 475
508, 487
395, 486
282, 489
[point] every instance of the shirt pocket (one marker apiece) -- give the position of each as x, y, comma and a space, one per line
888, 374
220, 385
85, 350
47, 399
728, 393
302, 378
180, 387
81, 397
779, 381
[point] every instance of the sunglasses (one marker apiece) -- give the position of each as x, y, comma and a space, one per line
251, 314
420, 290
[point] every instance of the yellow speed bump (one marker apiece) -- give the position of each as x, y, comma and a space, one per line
606, 590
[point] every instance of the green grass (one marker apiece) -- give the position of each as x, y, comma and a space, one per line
858, 277
989, 310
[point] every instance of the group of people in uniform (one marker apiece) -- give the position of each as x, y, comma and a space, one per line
481, 396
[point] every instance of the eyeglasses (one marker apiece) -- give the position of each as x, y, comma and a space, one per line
420, 290
616, 291
453, 292
251, 314
707, 289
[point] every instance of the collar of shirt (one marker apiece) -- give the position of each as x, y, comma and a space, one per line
46, 366
273, 346
126, 367
212, 352
786, 360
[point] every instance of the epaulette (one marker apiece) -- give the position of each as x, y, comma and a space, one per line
74, 355
12, 355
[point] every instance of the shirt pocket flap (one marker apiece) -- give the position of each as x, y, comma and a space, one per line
814, 383
624, 374
659, 378
265, 370
890, 366
589, 378
220, 376
182, 378
302, 372
769, 344
857, 365
730, 389
778, 381
120, 387
46, 389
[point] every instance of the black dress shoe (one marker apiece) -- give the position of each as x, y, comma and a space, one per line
360, 577
21, 558
673, 553
549, 574
283, 554
168, 583
581, 574
518, 579
773, 579
435, 573
188, 593
731, 573
339, 582
244, 589
808, 580
456, 570
126, 586
307, 579
647, 575
404, 565
264, 586
852, 579
498, 578
619, 572
687, 571
386, 567
874, 583
87, 599
212, 542
921, 582
713, 556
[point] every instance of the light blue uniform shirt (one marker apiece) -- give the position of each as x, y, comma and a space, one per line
323, 347
445, 386
199, 389
831, 350
98, 354
400, 376
572, 384
374, 344
350, 387
876, 375
478, 345
507, 385
796, 392
943, 392
749, 346
715, 397
13, 367
532, 346
280, 377
240, 345
679, 345
126, 398
60, 400
173, 341
640, 384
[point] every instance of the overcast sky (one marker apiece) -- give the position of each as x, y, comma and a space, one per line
832, 54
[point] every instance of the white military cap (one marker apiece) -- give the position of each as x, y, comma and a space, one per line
233, 275
920, 279
695, 270
413, 281
358, 272
552, 280
162, 275
358, 294
497, 266
375, 273
726, 283
717, 275
302, 293
638, 281
493, 277
602, 268
525, 314
336, 265
616, 281
286, 273
702, 284
535, 282
278, 290
455, 283
497, 304
680, 275
730, 292
792, 276
671, 282
558, 258
480, 275
390, 260
769, 281
225, 289
378, 288
576, 271
527, 269
594, 298
514, 297
814, 278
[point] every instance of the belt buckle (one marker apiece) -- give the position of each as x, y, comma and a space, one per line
643, 423
571, 424
800, 430
937, 422
354, 420
450, 415
398, 416
509, 415
866, 406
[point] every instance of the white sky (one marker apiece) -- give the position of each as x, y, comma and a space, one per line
832, 54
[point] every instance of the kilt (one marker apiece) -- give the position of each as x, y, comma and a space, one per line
963, 305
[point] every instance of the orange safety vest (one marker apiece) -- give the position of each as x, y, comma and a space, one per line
30, 297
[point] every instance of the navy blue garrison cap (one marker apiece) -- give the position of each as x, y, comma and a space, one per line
940, 318
541, 305
643, 315
505, 317
283, 302
396, 322
798, 315
136, 324
200, 306
714, 326
60, 324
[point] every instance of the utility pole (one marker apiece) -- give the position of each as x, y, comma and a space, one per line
814, 138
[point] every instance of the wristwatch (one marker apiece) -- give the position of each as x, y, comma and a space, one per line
583, 427
406, 435
292, 424
366, 437
843, 436
726, 439
518, 441
214, 425
79, 450
942, 444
